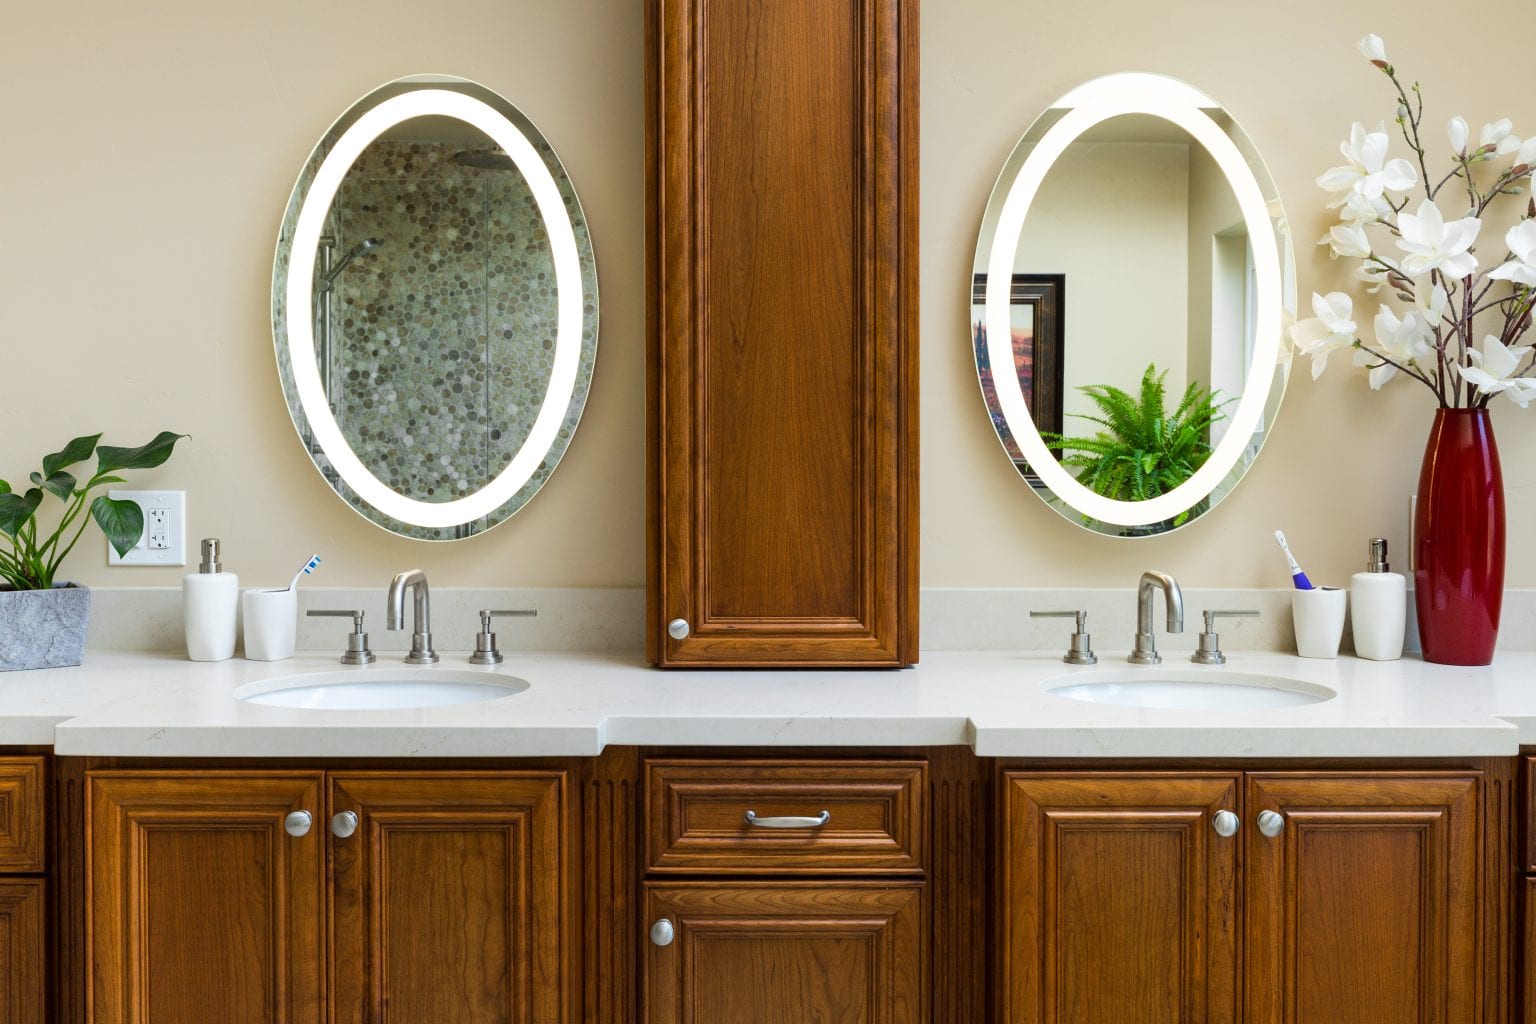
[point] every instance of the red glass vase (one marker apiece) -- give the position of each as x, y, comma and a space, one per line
1458, 574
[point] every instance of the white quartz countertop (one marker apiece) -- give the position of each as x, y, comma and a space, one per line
995, 702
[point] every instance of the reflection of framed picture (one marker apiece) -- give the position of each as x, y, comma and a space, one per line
1037, 304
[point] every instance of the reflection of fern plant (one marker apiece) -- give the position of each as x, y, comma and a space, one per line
1143, 450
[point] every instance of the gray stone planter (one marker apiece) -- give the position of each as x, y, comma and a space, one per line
43, 628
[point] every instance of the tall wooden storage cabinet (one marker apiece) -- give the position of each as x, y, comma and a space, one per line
782, 282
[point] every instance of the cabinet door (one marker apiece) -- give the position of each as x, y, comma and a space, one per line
785, 953
782, 156
1119, 899
201, 905
452, 902
22, 952
1365, 906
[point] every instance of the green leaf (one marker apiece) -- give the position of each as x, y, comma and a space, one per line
16, 509
109, 480
122, 522
61, 485
110, 459
78, 449
5, 488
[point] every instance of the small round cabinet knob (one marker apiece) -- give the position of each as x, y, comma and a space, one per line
661, 933
1271, 823
1225, 823
297, 823
678, 629
343, 824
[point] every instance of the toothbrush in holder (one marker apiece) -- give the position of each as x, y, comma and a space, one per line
1298, 578
305, 570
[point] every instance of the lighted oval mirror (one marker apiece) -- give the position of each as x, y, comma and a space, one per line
434, 308
1131, 278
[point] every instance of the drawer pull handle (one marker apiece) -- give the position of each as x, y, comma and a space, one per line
789, 821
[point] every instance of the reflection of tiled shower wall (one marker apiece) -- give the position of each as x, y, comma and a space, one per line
443, 336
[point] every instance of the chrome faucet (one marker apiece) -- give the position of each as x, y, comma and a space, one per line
421, 637
1145, 650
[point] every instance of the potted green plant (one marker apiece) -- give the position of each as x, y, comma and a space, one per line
43, 620
1143, 450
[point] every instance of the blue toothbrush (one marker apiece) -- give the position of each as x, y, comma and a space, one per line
308, 568
1298, 577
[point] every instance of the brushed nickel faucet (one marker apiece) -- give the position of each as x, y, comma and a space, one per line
394, 604
1144, 652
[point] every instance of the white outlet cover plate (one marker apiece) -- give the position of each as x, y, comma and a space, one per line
173, 506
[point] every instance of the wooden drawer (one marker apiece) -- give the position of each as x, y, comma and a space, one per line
697, 816
21, 815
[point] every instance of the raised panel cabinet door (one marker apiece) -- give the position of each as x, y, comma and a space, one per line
782, 280
1363, 904
452, 898
785, 953
22, 951
22, 815
202, 904
1526, 981
1119, 898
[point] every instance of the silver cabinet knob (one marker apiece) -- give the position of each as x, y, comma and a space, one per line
297, 823
343, 824
1225, 823
678, 629
1271, 823
661, 933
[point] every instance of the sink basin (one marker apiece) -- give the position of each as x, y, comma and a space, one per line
1188, 691
380, 689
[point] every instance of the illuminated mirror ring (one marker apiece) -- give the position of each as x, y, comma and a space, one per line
1095, 102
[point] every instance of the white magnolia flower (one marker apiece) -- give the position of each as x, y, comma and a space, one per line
1493, 371
1430, 299
1373, 274
1332, 329
1349, 241
1373, 49
1497, 135
1405, 341
1527, 153
1522, 242
1357, 210
1433, 244
1368, 171
1459, 132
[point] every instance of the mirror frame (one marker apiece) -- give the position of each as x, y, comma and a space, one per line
1088, 105
575, 298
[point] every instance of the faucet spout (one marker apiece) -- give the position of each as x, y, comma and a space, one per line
1145, 650
415, 581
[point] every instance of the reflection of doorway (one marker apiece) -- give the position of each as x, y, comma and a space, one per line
1233, 319
1036, 313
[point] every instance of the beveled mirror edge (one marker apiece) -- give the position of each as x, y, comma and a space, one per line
1130, 520
575, 217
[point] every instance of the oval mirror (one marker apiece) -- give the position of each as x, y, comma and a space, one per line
1126, 305
434, 308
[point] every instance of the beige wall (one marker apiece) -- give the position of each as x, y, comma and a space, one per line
150, 148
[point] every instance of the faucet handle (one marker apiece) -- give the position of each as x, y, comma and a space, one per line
1080, 649
485, 641
357, 652
1209, 651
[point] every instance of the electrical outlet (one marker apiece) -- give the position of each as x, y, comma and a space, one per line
164, 541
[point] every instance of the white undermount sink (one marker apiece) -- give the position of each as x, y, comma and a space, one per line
1192, 690
380, 689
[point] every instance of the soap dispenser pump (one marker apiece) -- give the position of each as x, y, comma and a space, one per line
1379, 607
209, 597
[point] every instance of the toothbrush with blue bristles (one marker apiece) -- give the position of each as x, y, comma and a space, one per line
1298, 577
308, 567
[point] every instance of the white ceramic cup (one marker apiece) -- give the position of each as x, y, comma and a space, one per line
271, 624
1319, 618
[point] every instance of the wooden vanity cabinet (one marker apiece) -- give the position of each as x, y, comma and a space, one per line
782, 322
1121, 899
23, 890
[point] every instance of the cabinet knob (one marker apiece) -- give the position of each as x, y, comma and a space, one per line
1271, 823
661, 933
1225, 823
343, 824
678, 629
297, 823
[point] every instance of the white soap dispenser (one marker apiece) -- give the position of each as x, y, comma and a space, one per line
1379, 605
208, 598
